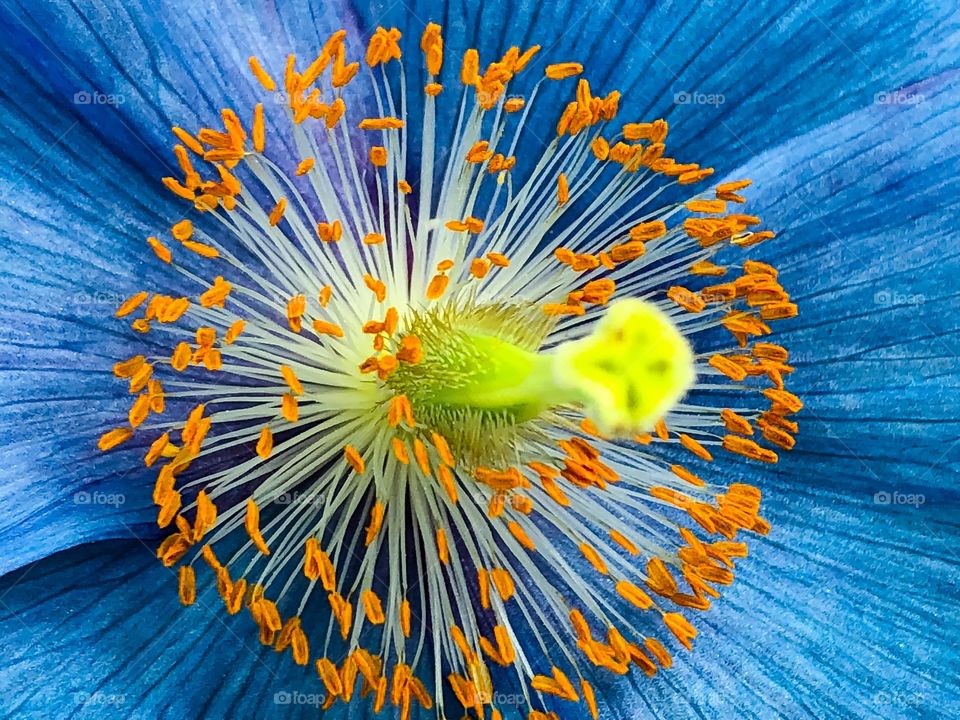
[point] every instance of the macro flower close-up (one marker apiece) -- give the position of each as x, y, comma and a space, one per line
521, 361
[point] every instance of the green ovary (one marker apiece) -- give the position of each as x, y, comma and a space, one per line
507, 380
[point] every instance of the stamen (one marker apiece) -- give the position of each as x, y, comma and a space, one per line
384, 123
111, 439
187, 585
354, 459
560, 71
563, 192
265, 443
252, 524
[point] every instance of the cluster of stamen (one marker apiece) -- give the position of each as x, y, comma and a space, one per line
338, 365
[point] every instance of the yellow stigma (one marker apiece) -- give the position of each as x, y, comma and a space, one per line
630, 370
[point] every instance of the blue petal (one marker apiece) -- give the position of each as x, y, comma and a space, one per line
157, 64
89, 99
842, 612
100, 633
851, 590
850, 608
733, 81
150, 68
72, 223
868, 249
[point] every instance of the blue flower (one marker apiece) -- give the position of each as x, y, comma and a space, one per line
845, 119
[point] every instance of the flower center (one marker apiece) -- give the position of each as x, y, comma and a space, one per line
498, 438
485, 374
